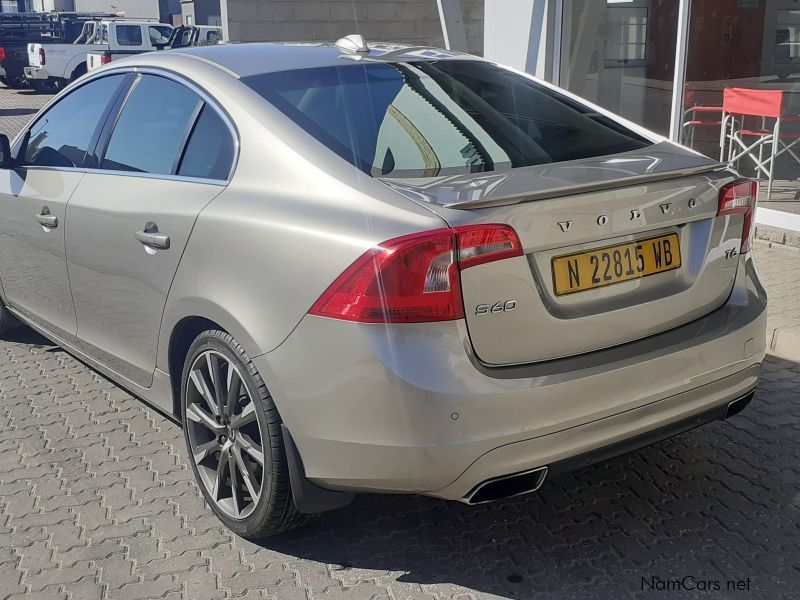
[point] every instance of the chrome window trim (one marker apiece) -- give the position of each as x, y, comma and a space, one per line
162, 72
184, 178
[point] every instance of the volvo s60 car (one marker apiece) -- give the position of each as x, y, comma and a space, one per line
349, 268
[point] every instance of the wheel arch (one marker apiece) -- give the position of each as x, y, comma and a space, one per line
78, 70
72, 65
182, 325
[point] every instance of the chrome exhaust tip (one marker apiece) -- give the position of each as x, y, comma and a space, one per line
738, 405
507, 486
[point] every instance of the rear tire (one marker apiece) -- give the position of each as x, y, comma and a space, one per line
233, 435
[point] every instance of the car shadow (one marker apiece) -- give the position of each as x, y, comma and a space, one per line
703, 503
26, 335
17, 112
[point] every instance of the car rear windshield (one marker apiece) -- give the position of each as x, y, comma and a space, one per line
445, 117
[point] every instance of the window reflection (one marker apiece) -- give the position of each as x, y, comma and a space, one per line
752, 47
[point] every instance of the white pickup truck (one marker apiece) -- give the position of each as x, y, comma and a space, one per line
182, 37
52, 66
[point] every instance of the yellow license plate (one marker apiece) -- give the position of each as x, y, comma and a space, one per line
614, 264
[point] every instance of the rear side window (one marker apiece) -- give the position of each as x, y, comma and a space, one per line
129, 35
61, 136
152, 127
428, 118
209, 152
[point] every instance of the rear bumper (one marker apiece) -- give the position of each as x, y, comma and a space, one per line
409, 408
36, 73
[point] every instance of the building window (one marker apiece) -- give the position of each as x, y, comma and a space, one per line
787, 37
627, 35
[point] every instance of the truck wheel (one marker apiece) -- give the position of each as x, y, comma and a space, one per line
234, 437
16, 83
43, 86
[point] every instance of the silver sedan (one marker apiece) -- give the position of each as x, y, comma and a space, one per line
349, 268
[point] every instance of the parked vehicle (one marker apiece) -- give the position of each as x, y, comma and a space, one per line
17, 30
379, 269
180, 37
194, 35
53, 66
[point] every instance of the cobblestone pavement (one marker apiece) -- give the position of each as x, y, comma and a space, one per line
17, 107
98, 501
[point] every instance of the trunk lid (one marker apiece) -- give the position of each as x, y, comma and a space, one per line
659, 203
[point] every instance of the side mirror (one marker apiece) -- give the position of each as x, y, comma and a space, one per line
6, 161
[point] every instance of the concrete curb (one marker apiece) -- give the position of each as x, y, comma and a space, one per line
785, 342
778, 226
782, 340
776, 235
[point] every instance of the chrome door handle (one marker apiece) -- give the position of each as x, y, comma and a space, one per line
153, 239
46, 219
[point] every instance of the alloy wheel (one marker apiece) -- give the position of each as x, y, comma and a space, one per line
225, 438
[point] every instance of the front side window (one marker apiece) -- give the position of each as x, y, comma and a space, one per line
61, 137
152, 127
129, 35
440, 117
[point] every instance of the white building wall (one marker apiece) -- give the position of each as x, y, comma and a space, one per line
131, 8
410, 21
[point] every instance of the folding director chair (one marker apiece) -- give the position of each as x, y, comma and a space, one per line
740, 107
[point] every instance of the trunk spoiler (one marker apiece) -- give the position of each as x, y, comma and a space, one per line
660, 162
582, 188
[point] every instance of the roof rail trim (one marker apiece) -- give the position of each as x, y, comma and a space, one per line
209, 62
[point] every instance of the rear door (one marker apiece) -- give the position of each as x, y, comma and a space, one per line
33, 204
131, 217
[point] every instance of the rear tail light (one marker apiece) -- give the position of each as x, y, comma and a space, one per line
2, 54
415, 278
41, 57
105, 58
740, 197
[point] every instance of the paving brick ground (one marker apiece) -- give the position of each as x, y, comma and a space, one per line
17, 107
97, 501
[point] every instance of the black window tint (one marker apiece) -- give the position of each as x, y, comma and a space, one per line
61, 137
440, 117
209, 153
129, 35
152, 127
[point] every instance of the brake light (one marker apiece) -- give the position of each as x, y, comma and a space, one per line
41, 57
740, 197
415, 278
2, 54
105, 58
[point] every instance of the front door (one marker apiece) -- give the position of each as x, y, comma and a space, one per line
33, 205
131, 219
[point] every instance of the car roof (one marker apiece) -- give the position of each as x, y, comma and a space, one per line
250, 59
